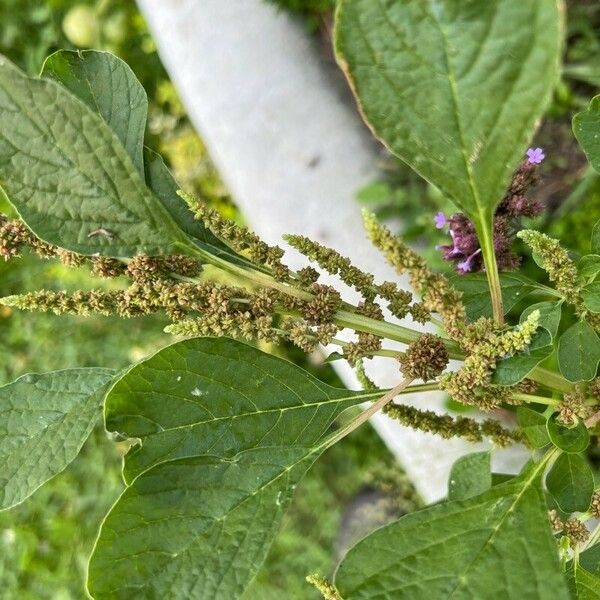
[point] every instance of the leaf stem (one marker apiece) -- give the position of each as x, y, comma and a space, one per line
365, 415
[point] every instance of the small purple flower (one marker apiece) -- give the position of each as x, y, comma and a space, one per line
440, 220
535, 156
464, 266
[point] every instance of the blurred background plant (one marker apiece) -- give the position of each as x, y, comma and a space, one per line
45, 543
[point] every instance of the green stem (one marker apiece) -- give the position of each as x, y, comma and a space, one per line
491, 269
537, 399
550, 379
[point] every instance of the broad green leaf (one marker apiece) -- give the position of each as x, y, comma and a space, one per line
588, 266
586, 127
68, 176
591, 296
582, 584
511, 370
225, 434
476, 292
533, 425
571, 483
470, 476
497, 544
453, 88
579, 352
109, 87
550, 313
569, 439
45, 421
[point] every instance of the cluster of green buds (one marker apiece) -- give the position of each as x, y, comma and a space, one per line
262, 299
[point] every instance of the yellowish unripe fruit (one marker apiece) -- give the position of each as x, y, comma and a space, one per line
81, 27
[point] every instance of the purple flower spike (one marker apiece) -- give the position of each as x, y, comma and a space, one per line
440, 220
535, 156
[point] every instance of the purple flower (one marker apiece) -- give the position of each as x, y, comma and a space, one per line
464, 266
440, 220
535, 156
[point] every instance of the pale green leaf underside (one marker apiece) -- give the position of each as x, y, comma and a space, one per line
226, 431
68, 175
45, 419
453, 87
107, 85
495, 545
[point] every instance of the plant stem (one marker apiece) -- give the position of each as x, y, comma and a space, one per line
491, 269
365, 415
550, 379
537, 399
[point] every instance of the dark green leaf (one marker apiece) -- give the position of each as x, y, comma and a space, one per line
511, 370
470, 476
533, 425
69, 177
497, 544
571, 483
579, 352
109, 87
586, 126
569, 439
591, 296
589, 265
453, 88
226, 432
590, 559
476, 292
45, 421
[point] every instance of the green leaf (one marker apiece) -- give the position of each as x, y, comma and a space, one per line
582, 584
511, 370
497, 544
45, 421
586, 127
533, 425
569, 439
454, 89
589, 265
579, 352
476, 292
68, 175
226, 432
109, 87
591, 296
571, 483
590, 560
470, 476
